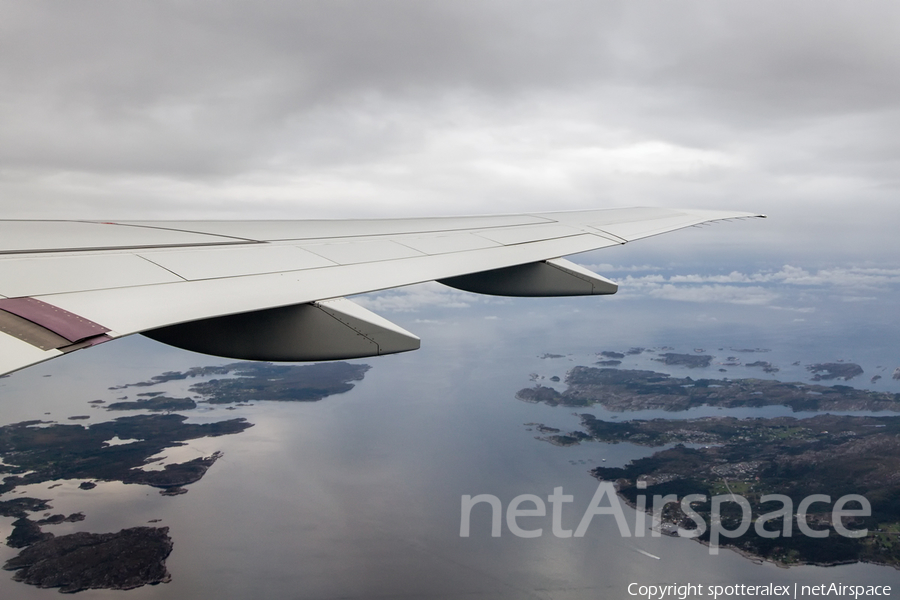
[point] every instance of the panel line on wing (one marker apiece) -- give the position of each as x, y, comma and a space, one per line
39, 276
448, 244
328, 229
39, 237
348, 253
165, 268
106, 248
238, 239
237, 262
607, 235
524, 235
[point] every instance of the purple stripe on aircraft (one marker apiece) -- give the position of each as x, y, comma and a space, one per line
93, 341
59, 321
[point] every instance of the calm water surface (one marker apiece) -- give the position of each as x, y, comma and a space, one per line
358, 495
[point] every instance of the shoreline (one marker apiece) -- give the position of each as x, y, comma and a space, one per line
752, 557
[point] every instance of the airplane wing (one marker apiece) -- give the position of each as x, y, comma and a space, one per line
274, 290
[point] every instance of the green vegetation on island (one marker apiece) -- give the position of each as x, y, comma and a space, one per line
260, 381
631, 390
36, 452
155, 404
283, 383
825, 454
834, 456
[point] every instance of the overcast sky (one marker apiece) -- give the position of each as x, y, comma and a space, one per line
401, 108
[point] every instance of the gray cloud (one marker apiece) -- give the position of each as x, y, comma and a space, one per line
790, 288
325, 109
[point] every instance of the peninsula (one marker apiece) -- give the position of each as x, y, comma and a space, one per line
833, 455
825, 454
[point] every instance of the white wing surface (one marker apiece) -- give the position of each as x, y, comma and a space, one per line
274, 290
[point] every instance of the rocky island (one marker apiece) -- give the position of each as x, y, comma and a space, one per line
155, 404
264, 381
80, 561
837, 370
36, 451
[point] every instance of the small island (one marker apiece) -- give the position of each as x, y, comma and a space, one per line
838, 370
81, 561
263, 381
691, 361
155, 404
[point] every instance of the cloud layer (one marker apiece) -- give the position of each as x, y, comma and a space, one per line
354, 108
791, 288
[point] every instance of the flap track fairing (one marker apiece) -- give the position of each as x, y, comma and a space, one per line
554, 277
326, 330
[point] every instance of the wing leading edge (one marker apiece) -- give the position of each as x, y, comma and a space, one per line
274, 290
